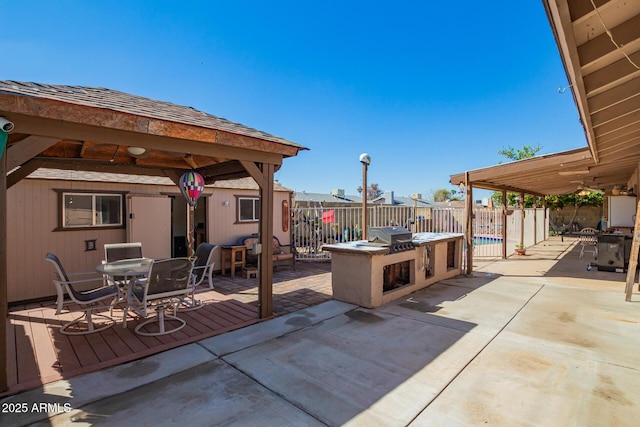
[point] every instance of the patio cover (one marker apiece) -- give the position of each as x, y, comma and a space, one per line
600, 50
558, 173
90, 129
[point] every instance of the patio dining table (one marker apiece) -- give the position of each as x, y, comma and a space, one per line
128, 269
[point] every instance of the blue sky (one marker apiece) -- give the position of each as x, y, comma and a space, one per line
427, 88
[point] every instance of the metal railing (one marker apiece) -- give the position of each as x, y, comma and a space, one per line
313, 227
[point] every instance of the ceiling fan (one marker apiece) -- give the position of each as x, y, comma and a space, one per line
583, 190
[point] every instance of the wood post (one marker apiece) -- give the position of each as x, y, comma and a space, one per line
535, 220
469, 223
633, 258
4, 306
262, 173
522, 219
504, 223
265, 292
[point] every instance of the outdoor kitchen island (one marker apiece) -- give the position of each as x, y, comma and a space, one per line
373, 272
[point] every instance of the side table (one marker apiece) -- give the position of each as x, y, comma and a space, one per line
235, 256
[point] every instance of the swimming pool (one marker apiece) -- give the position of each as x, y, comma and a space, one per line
486, 240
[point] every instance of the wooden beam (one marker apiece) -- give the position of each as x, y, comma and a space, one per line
68, 130
26, 149
24, 171
4, 301
255, 173
93, 166
222, 169
597, 47
225, 177
173, 175
497, 187
555, 161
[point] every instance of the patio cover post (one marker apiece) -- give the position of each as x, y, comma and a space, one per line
468, 226
522, 218
504, 224
262, 173
535, 220
4, 383
545, 228
265, 293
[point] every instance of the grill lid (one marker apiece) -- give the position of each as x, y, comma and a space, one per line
389, 235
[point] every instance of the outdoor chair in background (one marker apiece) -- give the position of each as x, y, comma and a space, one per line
120, 251
201, 274
588, 241
167, 285
86, 301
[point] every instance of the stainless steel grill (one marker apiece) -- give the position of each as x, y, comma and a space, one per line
396, 238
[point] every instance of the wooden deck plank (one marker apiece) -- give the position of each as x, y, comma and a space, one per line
115, 342
83, 350
76, 355
195, 327
12, 367
27, 363
232, 312
67, 359
249, 310
42, 341
130, 339
203, 316
100, 346
219, 316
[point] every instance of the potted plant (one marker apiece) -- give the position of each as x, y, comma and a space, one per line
520, 250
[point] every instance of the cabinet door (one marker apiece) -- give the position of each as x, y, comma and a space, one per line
622, 210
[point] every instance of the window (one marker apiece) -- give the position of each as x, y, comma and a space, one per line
248, 209
82, 210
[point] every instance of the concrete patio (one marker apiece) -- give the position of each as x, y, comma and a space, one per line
533, 340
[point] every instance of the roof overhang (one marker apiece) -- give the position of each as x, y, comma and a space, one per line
600, 50
90, 129
549, 174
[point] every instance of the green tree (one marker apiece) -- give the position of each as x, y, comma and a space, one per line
443, 195
526, 152
595, 198
554, 202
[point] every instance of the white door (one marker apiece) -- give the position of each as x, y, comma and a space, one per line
149, 222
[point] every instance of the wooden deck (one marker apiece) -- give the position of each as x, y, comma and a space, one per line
38, 353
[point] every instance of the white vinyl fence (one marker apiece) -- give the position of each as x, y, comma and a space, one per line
314, 227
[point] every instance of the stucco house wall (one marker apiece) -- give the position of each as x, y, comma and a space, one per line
33, 215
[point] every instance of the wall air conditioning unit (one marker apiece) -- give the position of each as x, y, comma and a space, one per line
337, 193
416, 196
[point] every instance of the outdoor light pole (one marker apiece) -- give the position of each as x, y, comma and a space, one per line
365, 160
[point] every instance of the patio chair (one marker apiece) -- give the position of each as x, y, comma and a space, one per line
120, 251
168, 283
87, 300
202, 272
588, 241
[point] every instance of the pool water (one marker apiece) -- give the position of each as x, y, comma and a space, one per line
480, 240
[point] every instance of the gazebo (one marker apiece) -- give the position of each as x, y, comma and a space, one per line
96, 129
